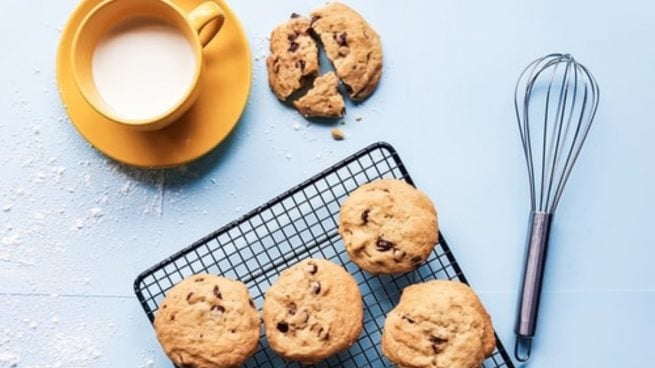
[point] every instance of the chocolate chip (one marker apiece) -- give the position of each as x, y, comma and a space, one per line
437, 343
315, 287
417, 259
295, 15
365, 215
383, 245
189, 296
300, 64
218, 308
408, 319
342, 39
293, 309
217, 292
172, 317
323, 333
311, 267
398, 255
164, 306
314, 19
252, 304
283, 327
199, 279
293, 46
293, 36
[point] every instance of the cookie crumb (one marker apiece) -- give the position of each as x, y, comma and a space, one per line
338, 134
359, 118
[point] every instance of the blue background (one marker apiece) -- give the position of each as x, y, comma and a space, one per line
76, 228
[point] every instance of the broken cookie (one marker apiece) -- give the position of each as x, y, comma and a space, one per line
352, 45
323, 100
294, 56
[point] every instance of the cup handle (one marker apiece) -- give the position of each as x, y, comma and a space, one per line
207, 18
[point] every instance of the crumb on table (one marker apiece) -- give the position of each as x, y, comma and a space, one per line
338, 134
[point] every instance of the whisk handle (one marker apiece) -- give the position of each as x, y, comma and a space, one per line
537, 245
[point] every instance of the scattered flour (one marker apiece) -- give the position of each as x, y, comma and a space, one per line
40, 177
79, 224
11, 240
96, 212
262, 49
39, 217
148, 362
9, 360
73, 351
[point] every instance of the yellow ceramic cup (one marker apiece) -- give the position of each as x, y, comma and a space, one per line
199, 26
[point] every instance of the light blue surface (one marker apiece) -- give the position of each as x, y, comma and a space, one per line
76, 228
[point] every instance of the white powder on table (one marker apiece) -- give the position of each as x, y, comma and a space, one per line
9, 360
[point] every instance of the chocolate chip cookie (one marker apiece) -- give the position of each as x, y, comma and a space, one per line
312, 311
294, 56
323, 100
438, 324
208, 321
388, 226
352, 45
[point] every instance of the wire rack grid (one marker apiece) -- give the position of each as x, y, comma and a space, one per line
298, 224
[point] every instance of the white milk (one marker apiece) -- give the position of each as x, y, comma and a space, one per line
143, 67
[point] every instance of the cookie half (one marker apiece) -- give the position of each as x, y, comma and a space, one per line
438, 324
208, 321
323, 100
352, 45
312, 311
294, 56
388, 226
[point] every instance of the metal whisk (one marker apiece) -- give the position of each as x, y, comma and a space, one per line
555, 101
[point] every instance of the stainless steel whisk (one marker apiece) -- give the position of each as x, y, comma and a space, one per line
555, 99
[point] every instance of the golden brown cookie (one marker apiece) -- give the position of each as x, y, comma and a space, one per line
323, 100
312, 311
438, 324
208, 321
352, 45
388, 226
294, 55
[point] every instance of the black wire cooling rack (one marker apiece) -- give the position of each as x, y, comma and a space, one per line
295, 225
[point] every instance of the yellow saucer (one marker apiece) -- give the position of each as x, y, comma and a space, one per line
224, 93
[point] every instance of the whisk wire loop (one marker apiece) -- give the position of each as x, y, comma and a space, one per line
567, 109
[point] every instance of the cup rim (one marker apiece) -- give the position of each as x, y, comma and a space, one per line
144, 122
